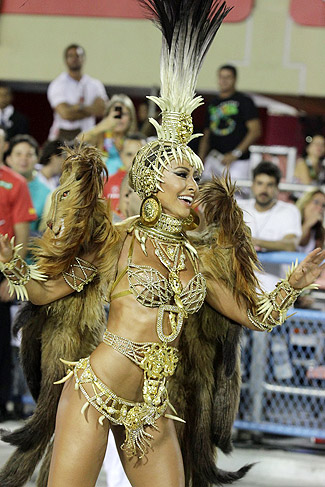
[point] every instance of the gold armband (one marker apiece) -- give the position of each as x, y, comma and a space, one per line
87, 274
276, 302
18, 273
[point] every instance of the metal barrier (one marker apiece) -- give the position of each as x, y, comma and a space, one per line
283, 378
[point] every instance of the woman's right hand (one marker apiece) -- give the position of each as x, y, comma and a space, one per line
6, 252
108, 123
311, 218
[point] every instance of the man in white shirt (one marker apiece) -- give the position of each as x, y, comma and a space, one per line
275, 225
76, 98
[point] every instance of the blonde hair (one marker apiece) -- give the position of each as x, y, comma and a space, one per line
306, 198
318, 227
128, 103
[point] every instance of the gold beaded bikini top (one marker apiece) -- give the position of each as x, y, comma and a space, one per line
152, 289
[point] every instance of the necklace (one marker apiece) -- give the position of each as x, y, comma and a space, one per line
167, 229
169, 243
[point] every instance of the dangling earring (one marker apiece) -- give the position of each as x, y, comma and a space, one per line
191, 222
150, 210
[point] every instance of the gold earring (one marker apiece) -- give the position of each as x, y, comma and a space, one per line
150, 210
191, 222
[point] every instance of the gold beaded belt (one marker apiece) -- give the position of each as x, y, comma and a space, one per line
158, 362
134, 416
135, 351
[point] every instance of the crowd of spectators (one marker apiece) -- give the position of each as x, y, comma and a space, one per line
83, 114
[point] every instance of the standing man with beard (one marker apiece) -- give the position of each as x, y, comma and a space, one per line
76, 98
275, 225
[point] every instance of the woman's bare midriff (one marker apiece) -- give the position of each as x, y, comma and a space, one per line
130, 319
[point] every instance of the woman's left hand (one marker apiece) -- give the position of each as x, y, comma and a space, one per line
308, 270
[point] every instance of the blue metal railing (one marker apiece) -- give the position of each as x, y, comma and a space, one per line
280, 392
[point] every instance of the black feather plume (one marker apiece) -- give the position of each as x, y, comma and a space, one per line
188, 28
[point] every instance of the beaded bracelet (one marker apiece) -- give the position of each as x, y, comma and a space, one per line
279, 300
19, 273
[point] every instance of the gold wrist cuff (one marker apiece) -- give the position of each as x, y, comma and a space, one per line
19, 273
277, 301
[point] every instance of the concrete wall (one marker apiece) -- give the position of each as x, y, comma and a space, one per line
272, 53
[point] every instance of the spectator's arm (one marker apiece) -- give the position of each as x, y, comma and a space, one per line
288, 243
301, 172
96, 109
78, 112
306, 234
71, 112
92, 135
204, 145
254, 132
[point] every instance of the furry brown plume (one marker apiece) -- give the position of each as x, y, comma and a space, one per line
205, 392
226, 247
86, 217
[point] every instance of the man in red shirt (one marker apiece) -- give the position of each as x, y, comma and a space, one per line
16, 211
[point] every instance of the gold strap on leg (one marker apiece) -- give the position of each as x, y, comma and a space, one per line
19, 273
277, 302
75, 280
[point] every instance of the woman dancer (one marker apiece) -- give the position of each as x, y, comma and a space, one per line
165, 291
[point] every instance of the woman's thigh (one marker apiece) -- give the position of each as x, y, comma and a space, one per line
162, 466
79, 442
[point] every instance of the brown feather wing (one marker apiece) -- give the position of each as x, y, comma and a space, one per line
225, 247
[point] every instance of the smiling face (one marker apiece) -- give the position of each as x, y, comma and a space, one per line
180, 189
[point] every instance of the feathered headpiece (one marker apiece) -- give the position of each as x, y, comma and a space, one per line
188, 28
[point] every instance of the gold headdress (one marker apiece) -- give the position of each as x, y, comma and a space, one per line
188, 27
